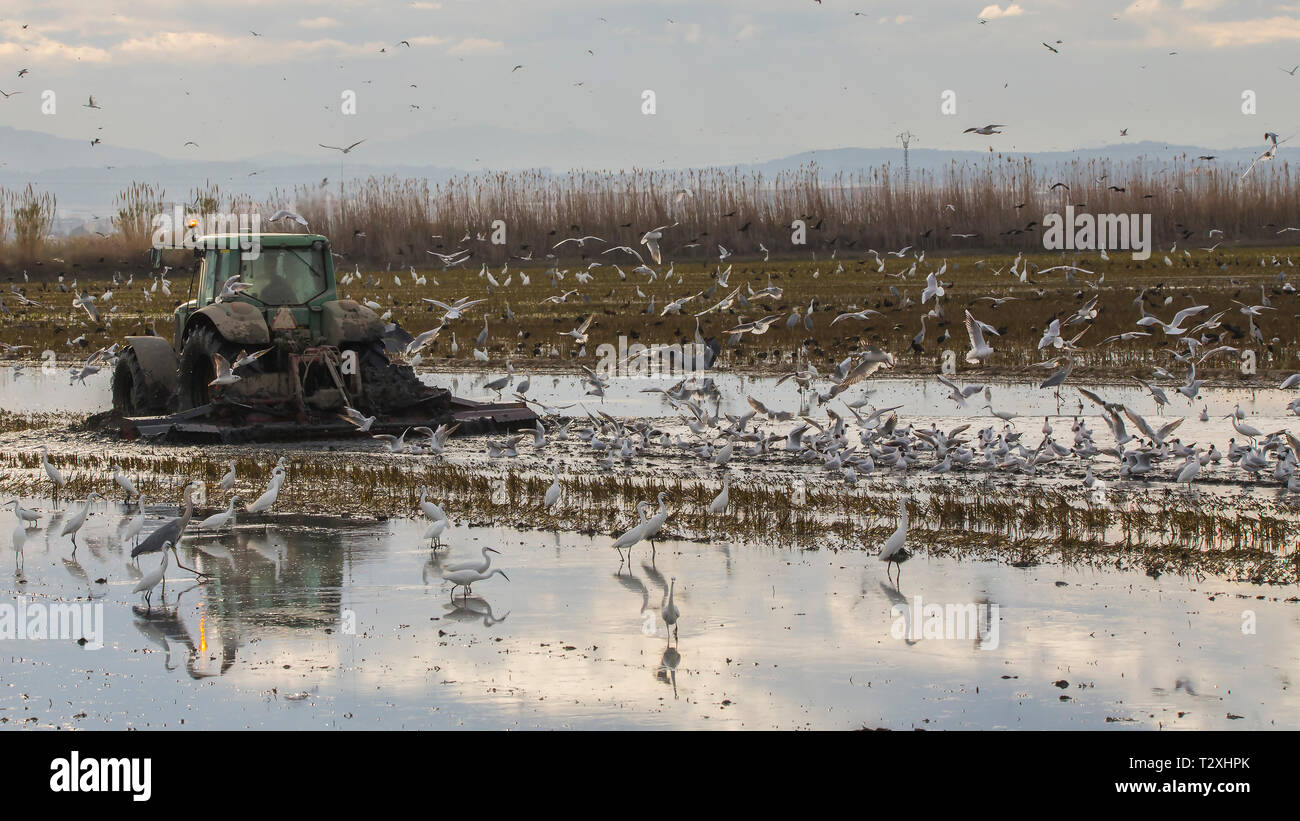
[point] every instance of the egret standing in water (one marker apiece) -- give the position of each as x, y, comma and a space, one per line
124, 482
669, 609
656, 522
553, 492
27, 517
894, 552
465, 578
1241, 427
719, 503
136, 524
153, 577
478, 567
264, 502
56, 478
434, 532
431, 509
76, 520
634, 535
218, 520
19, 539
227, 482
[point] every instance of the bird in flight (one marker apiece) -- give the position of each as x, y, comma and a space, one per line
92, 103
986, 130
1049, 48
286, 214
344, 150
8, 94
516, 68
1290, 71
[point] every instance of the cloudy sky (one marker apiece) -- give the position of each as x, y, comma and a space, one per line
735, 80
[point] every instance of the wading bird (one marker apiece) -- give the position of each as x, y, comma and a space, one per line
893, 551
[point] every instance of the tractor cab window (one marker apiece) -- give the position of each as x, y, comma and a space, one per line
278, 276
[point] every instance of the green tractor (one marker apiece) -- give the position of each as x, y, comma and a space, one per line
300, 356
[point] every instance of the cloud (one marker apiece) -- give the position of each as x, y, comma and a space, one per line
993, 12
319, 23
1167, 26
198, 46
1247, 32
477, 45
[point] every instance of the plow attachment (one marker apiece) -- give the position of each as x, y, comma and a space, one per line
229, 423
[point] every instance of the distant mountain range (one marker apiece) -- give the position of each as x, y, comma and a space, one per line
87, 180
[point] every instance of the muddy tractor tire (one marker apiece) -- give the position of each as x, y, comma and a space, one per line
134, 393
196, 368
390, 387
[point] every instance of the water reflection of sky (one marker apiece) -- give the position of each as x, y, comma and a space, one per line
768, 638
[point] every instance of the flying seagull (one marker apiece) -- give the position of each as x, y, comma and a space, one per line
344, 150
286, 214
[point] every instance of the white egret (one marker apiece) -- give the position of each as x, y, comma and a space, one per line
894, 551
151, 579
56, 478
1244, 429
465, 578
136, 523
431, 509
656, 522
719, 503
553, 492
74, 522
219, 520
264, 502
19, 539
637, 533
668, 610
434, 532
480, 566
228, 480
124, 482
24, 515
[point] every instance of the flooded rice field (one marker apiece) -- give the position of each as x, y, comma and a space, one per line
319, 623
1031, 600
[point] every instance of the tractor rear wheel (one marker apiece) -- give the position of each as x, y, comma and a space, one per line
134, 393
196, 368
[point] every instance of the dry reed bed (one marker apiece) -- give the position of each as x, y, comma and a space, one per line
1246, 538
404, 217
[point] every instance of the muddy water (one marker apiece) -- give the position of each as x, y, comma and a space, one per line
918, 400
313, 623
